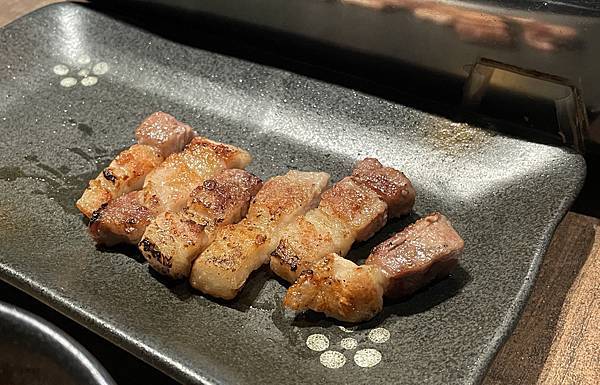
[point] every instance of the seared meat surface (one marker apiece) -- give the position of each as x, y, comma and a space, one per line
194, 212
165, 133
239, 249
174, 239
347, 212
158, 136
392, 186
424, 251
169, 185
339, 288
124, 174
354, 209
121, 221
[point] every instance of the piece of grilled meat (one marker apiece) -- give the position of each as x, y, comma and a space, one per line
174, 239
352, 210
158, 136
165, 133
223, 268
424, 251
166, 188
339, 288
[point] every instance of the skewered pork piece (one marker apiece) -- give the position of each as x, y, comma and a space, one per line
339, 288
424, 251
173, 240
123, 220
352, 210
166, 188
392, 186
165, 133
239, 249
158, 136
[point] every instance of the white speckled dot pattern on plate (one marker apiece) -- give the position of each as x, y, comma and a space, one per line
87, 72
367, 358
364, 357
348, 343
379, 335
317, 342
504, 196
332, 359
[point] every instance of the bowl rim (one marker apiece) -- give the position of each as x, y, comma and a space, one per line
82, 358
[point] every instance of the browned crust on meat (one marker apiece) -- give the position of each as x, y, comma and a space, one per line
237, 240
305, 242
151, 249
350, 201
392, 186
216, 196
122, 220
286, 255
222, 269
108, 175
225, 152
125, 173
354, 299
278, 196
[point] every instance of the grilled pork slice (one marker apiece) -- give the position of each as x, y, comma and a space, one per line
353, 210
346, 213
425, 251
165, 133
168, 186
422, 252
124, 174
173, 240
123, 220
392, 186
223, 268
158, 136
339, 288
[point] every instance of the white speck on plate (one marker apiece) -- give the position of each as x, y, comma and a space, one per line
349, 343
68, 82
332, 359
317, 342
379, 335
345, 330
84, 72
100, 68
83, 59
89, 81
367, 358
60, 69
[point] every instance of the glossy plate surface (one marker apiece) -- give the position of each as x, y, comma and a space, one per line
75, 83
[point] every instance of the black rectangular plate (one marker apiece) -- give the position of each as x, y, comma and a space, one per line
60, 127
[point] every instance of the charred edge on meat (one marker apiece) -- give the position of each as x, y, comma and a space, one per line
151, 248
284, 254
306, 274
98, 213
109, 175
210, 184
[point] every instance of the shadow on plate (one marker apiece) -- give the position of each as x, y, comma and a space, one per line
130, 251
